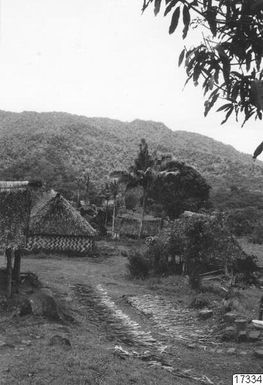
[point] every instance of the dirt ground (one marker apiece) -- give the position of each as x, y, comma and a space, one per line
124, 331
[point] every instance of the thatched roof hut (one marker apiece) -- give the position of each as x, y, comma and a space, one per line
58, 226
15, 204
129, 224
203, 240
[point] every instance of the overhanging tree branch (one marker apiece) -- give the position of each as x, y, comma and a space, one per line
237, 31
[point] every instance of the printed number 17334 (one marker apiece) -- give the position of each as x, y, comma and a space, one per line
243, 379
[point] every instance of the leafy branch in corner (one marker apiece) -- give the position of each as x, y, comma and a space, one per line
228, 62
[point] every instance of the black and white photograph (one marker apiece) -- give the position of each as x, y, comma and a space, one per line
131, 192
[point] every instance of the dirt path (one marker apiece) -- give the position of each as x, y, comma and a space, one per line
149, 328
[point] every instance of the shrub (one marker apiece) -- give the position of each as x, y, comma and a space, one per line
242, 221
200, 301
138, 265
164, 257
257, 234
157, 256
156, 209
178, 188
201, 241
245, 270
198, 243
131, 201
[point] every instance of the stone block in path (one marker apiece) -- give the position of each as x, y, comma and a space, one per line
253, 335
259, 352
205, 313
230, 317
242, 336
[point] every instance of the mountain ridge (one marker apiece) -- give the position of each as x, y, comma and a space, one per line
58, 146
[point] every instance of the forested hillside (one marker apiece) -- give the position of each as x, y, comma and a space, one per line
57, 147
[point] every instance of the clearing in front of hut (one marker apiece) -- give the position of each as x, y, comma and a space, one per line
112, 330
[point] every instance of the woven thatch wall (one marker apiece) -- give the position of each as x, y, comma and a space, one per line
128, 225
15, 203
60, 243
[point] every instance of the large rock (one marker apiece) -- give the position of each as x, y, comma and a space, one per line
241, 324
229, 334
253, 335
231, 351
41, 303
242, 336
259, 352
25, 308
59, 340
230, 317
205, 313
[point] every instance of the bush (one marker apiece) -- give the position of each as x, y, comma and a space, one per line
201, 242
138, 265
164, 257
156, 209
257, 234
180, 188
194, 278
131, 201
246, 270
194, 245
242, 221
158, 258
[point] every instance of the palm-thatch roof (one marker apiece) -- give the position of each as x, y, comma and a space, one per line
40, 199
15, 204
19, 184
58, 217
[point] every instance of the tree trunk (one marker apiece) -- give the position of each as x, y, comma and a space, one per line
260, 315
226, 267
106, 216
8, 254
143, 212
17, 267
87, 190
113, 218
78, 197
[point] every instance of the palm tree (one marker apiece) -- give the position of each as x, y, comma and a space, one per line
79, 182
145, 171
114, 189
106, 195
145, 179
86, 181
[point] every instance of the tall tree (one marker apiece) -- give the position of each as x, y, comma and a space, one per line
179, 187
144, 160
86, 180
106, 194
141, 173
114, 189
228, 60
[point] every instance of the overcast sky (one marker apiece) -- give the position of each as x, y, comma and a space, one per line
103, 58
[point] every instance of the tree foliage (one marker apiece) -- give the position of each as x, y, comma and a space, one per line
228, 62
142, 174
179, 187
144, 159
203, 243
172, 184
